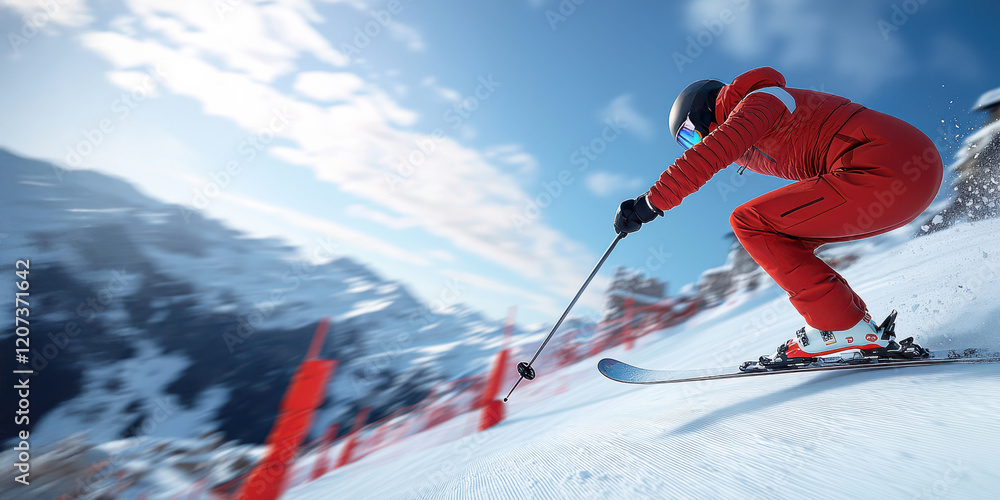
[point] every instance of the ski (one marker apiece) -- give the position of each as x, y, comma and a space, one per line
620, 371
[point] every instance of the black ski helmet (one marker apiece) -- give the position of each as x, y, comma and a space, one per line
696, 103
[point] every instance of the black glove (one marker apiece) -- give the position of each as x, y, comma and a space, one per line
632, 214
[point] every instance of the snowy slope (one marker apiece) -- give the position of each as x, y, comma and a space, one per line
928, 432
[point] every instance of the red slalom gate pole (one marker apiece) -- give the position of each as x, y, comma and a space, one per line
305, 392
322, 464
347, 453
492, 408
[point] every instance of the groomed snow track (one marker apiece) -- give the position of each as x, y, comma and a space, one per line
929, 432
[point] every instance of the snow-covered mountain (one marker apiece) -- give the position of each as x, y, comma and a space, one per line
149, 318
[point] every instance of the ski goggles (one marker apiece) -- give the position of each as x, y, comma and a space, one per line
688, 136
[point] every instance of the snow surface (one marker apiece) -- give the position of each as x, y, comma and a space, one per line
927, 432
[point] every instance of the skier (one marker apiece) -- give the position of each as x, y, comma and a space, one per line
859, 173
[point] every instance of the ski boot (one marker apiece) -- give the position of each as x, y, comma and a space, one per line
871, 340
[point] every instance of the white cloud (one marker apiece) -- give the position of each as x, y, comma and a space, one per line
605, 184
261, 40
41, 14
329, 87
456, 195
227, 94
620, 110
454, 192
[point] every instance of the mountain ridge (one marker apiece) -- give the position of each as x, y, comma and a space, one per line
140, 280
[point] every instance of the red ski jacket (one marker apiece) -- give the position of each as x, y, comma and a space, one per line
759, 133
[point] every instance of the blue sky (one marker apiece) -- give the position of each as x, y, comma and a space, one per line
476, 150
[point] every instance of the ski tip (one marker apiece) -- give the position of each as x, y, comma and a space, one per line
606, 363
612, 368
620, 371
607, 366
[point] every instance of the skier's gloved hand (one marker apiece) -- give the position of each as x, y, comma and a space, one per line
632, 214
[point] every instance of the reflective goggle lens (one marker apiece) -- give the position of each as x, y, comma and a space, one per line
687, 136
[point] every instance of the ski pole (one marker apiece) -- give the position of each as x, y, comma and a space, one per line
524, 368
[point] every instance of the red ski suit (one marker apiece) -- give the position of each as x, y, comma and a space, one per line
859, 172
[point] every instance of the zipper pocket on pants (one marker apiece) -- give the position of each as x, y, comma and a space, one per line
804, 205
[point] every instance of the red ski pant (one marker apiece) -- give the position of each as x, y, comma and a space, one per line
881, 174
